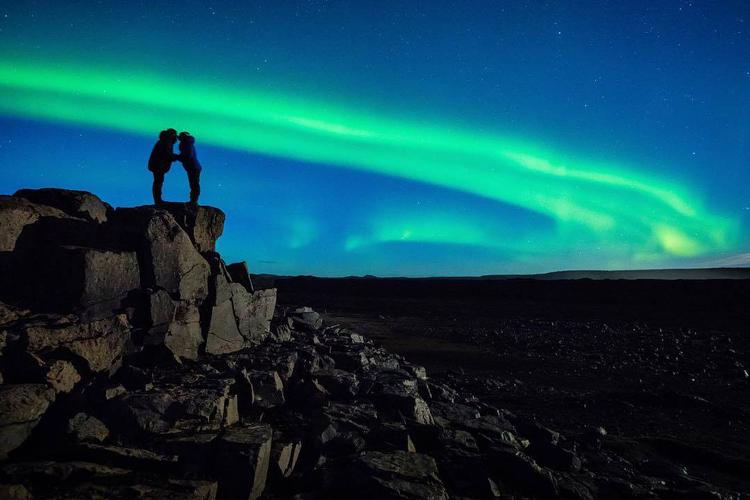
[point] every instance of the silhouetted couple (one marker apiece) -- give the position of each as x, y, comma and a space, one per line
163, 155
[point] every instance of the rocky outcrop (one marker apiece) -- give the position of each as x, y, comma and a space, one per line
204, 225
18, 213
166, 255
80, 204
162, 373
88, 281
99, 345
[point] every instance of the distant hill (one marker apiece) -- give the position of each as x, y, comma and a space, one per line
717, 273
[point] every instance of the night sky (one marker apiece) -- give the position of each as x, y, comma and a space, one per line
401, 138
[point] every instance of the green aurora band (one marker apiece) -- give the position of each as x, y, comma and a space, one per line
652, 218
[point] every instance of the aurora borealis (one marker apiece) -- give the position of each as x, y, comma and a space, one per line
332, 182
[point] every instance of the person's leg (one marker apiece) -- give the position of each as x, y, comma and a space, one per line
156, 189
195, 185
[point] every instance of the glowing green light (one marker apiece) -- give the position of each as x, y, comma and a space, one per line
652, 215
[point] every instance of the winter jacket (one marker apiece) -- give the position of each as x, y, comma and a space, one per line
161, 157
187, 155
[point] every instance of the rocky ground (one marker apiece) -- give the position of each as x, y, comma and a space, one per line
137, 364
668, 383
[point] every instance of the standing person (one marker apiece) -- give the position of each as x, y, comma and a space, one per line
161, 160
191, 164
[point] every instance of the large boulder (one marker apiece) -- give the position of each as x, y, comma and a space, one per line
166, 255
243, 456
223, 336
237, 317
16, 214
82, 427
99, 345
87, 281
76, 203
259, 314
268, 389
21, 407
187, 403
203, 224
175, 325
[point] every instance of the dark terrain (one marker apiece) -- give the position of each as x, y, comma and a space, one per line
135, 363
661, 365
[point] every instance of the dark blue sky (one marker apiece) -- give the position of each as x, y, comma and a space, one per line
653, 91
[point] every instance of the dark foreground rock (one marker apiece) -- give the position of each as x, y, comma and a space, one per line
165, 374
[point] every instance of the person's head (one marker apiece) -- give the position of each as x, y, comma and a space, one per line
168, 135
186, 137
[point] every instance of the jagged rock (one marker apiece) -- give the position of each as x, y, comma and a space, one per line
396, 396
223, 335
360, 417
555, 457
186, 402
76, 203
351, 359
260, 313
304, 318
267, 388
243, 457
453, 413
240, 274
452, 439
416, 371
281, 333
203, 224
308, 393
114, 391
183, 402
242, 314
87, 281
284, 456
220, 290
166, 255
83, 427
62, 376
21, 407
393, 475
493, 430
142, 412
100, 344
466, 475
161, 311
184, 336
16, 214
339, 384
520, 471
391, 437
175, 325
439, 392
